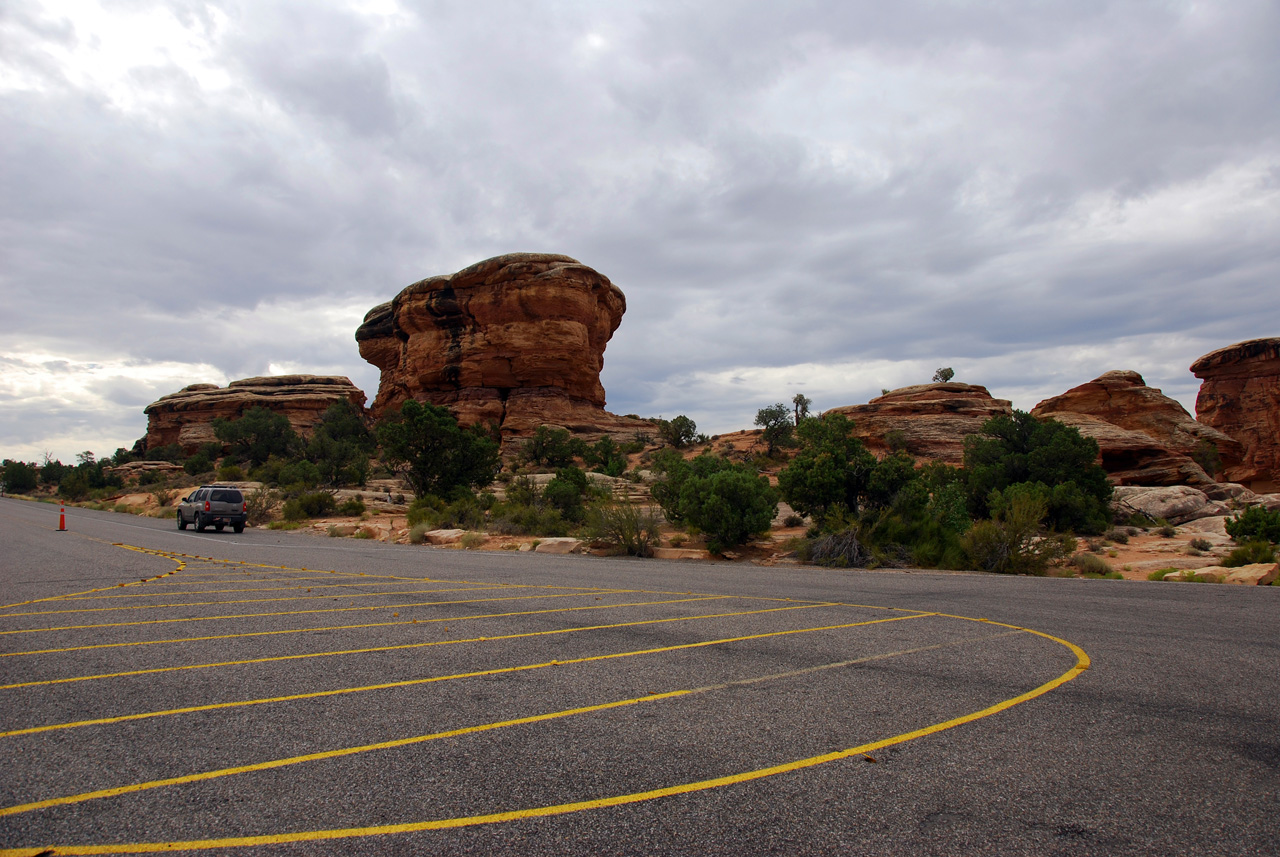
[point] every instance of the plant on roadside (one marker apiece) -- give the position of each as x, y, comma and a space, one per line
1250, 553
630, 528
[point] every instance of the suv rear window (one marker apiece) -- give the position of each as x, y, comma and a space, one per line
226, 497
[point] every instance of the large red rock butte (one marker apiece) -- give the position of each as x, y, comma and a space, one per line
1145, 438
933, 418
186, 417
516, 341
1240, 395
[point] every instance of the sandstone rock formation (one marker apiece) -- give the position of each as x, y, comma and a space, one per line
1145, 437
1240, 395
933, 418
186, 417
517, 340
1177, 504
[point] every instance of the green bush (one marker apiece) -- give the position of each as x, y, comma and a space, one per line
1200, 544
230, 473
678, 432
352, 508
831, 467
1255, 524
606, 457
259, 505
427, 447
631, 529
727, 501
19, 477
565, 492
1120, 537
1087, 563
550, 447
425, 510
1011, 542
1019, 449
198, 464
257, 435
312, 505
516, 519
1250, 553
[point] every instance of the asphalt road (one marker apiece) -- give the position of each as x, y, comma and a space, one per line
278, 693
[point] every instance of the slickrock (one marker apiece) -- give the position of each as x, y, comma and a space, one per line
1156, 436
933, 418
1240, 395
186, 417
517, 340
1177, 504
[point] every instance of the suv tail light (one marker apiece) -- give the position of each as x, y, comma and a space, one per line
206, 505
245, 508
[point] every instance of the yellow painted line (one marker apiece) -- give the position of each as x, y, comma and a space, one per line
369, 625
90, 591
1082, 664
419, 681
293, 588
399, 647
311, 612
471, 730
345, 597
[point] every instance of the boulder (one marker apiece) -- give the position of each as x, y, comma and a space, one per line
186, 417
1258, 574
933, 418
1240, 396
1145, 437
517, 341
443, 537
1177, 504
558, 545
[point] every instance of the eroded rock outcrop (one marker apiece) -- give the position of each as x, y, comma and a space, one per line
517, 340
186, 417
1145, 437
933, 418
1240, 396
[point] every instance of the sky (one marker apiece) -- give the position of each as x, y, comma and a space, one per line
828, 197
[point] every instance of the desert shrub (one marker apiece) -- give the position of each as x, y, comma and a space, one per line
565, 492
311, 505
1161, 573
74, 485
171, 452
1118, 536
836, 550
551, 447
1087, 563
1207, 456
230, 473
418, 533
1255, 524
259, 504
727, 501
1017, 449
517, 519
299, 475
1201, 544
352, 507
632, 529
464, 513
831, 467
1250, 553
341, 445
1011, 543
943, 375
257, 435
606, 457
471, 541
19, 477
793, 521
198, 464
425, 509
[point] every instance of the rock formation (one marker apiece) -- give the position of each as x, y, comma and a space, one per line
1145, 437
933, 418
517, 341
1240, 395
186, 417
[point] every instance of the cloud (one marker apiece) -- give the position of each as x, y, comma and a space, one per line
839, 195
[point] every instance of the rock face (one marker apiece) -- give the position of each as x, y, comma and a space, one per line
1240, 395
517, 340
186, 417
933, 418
1177, 504
1145, 437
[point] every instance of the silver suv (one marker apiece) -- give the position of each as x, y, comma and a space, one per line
216, 505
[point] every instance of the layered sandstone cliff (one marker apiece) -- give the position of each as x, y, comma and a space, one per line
517, 341
1240, 396
186, 417
1145, 437
933, 418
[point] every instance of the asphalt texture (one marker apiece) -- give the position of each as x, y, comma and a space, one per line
280, 693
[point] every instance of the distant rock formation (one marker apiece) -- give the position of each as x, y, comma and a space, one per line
1240, 395
933, 418
517, 340
186, 417
1145, 437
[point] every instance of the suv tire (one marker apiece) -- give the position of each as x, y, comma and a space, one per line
199, 523
239, 528
182, 524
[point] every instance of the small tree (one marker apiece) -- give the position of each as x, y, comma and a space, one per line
19, 477
801, 403
943, 375
551, 447
606, 457
777, 425
831, 467
424, 443
727, 501
678, 432
257, 435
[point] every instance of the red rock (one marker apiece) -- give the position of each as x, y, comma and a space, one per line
934, 418
1145, 437
517, 340
1240, 396
186, 417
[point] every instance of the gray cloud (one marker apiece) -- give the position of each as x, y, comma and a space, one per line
1038, 192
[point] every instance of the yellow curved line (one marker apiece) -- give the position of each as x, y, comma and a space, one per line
1082, 664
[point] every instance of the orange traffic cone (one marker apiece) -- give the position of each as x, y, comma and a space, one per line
62, 518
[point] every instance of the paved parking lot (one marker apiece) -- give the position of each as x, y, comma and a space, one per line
400, 701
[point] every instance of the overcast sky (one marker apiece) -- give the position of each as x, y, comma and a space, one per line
829, 197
